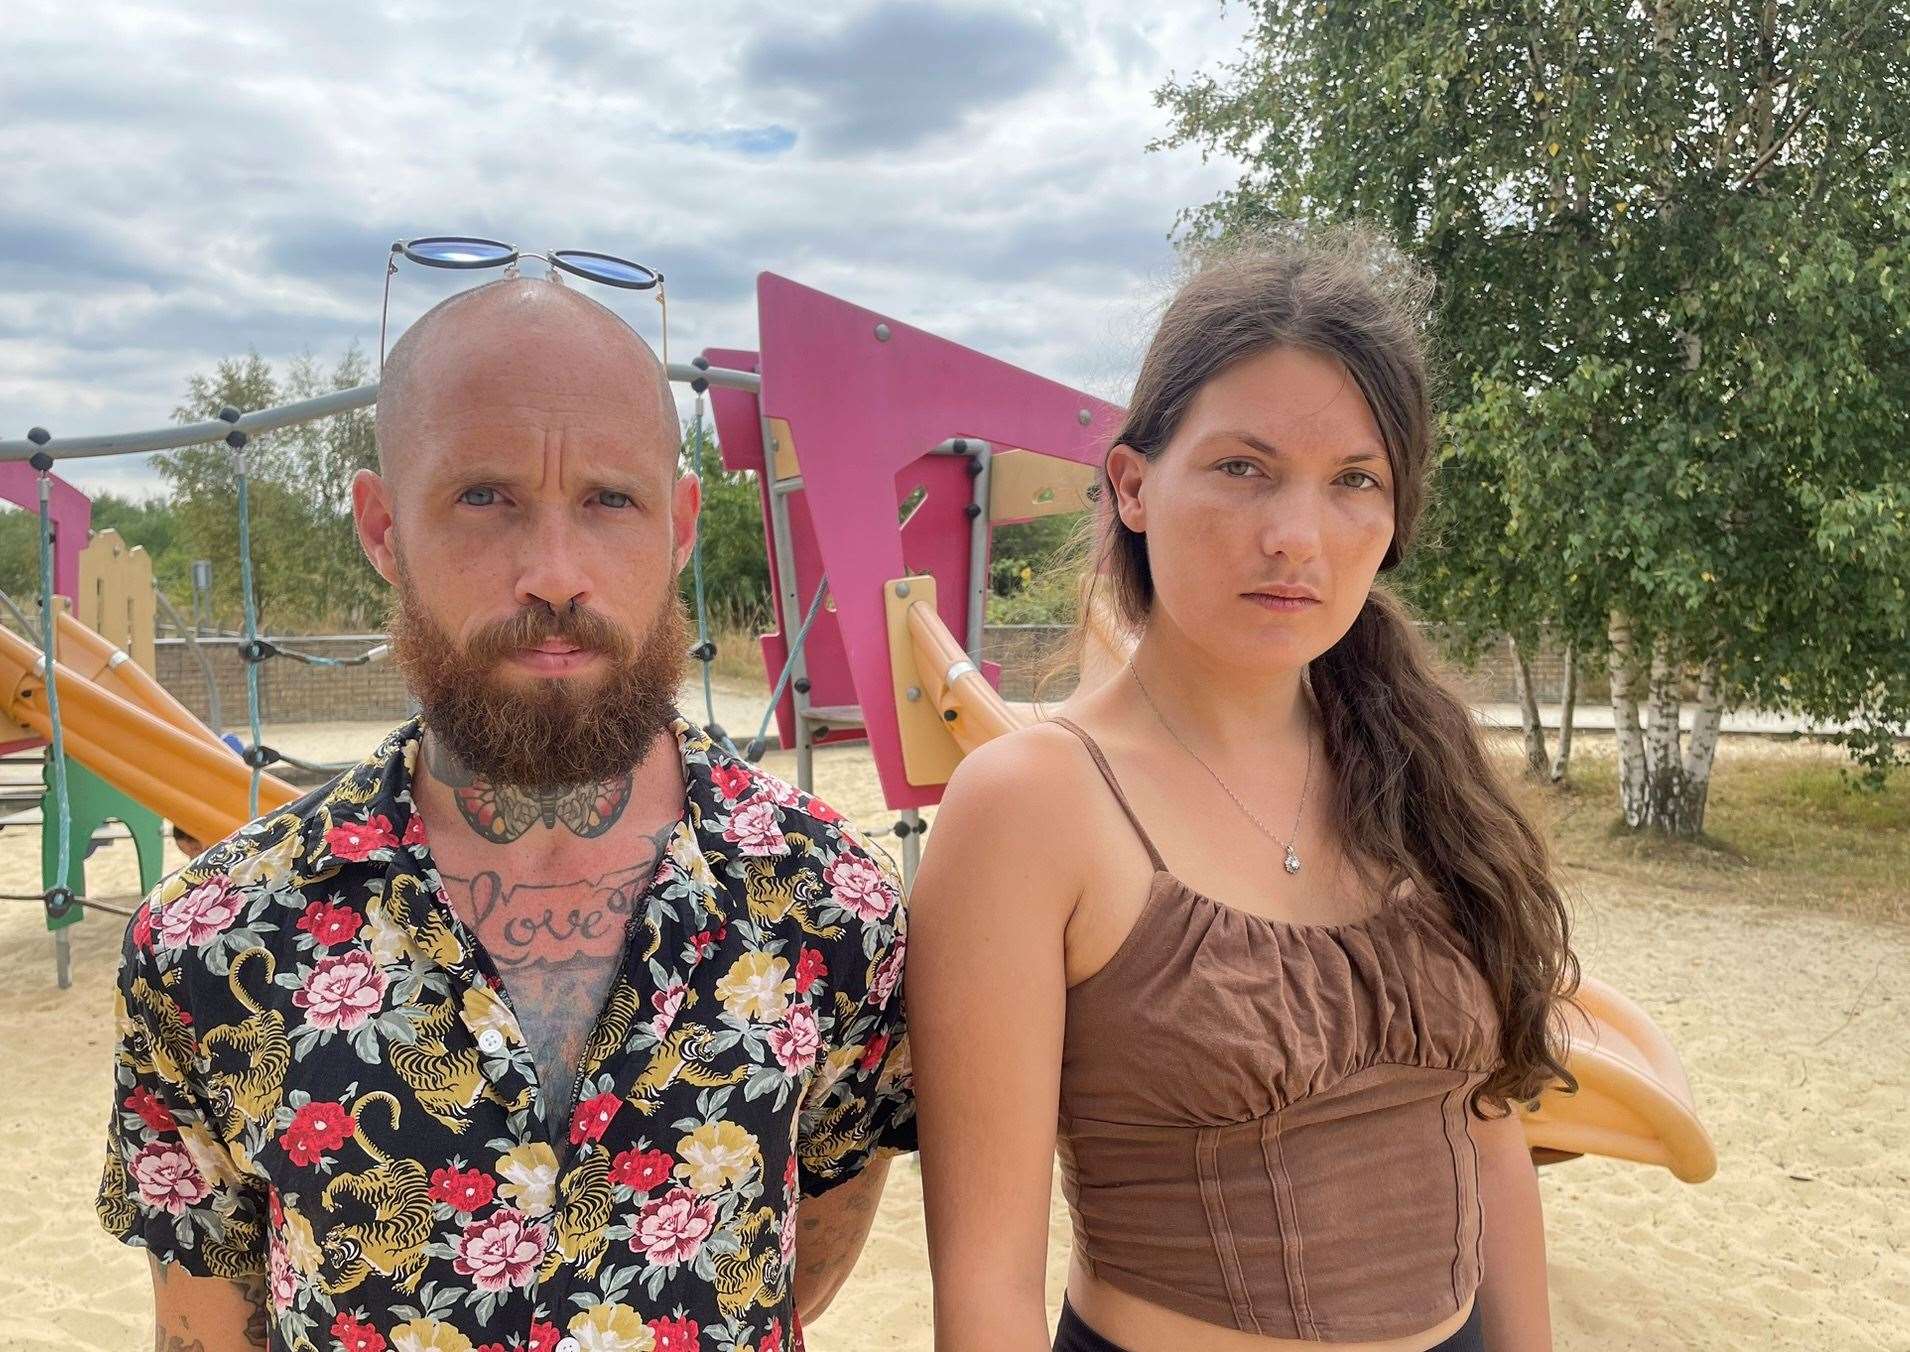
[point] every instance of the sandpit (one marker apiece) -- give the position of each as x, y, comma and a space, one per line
1794, 1026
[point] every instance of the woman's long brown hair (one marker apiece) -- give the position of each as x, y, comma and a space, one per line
1419, 797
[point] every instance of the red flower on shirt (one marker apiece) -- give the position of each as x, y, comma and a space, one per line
772, 1338
314, 1129
872, 1055
351, 1334
152, 1112
642, 1170
809, 968
543, 1337
414, 831
329, 924
592, 1117
732, 780
462, 1190
143, 927
356, 840
674, 1335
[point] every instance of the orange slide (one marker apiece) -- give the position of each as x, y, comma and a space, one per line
121, 724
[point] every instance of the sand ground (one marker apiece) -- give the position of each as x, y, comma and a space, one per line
1794, 1027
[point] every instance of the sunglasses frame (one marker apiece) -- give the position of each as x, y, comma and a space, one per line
556, 259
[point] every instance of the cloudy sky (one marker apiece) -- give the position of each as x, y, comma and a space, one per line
185, 182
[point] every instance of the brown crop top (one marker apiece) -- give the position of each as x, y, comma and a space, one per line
1264, 1125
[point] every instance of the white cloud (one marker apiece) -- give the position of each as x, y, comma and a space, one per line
184, 184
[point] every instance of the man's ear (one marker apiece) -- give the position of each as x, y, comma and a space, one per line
371, 514
686, 506
1127, 468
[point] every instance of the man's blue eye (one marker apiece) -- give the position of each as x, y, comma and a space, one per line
478, 497
610, 498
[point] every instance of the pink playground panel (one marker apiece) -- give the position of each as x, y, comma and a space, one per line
72, 514
866, 397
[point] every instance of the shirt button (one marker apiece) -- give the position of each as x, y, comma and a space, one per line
569, 1345
491, 1042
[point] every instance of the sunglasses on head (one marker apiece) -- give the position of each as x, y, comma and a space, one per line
467, 251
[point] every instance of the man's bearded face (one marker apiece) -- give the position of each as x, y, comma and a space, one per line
542, 732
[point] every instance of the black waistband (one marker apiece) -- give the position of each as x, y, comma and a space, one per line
1074, 1335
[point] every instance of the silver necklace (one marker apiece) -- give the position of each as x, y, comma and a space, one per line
1292, 861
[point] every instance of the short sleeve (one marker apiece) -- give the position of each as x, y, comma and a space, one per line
170, 1184
863, 1098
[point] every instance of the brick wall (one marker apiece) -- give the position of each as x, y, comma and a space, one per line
1024, 649
292, 692
289, 691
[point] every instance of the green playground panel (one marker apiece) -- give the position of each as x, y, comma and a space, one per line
94, 803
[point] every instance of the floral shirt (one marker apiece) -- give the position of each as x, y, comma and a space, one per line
320, 1080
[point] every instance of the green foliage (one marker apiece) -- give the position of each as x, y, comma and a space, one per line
1671, 240
308, 568
735, 551
1032, 576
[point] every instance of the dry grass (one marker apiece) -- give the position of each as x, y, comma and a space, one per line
1784, 825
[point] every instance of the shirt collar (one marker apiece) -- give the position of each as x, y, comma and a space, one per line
365, 819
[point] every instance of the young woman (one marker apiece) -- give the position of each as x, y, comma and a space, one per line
1255, 934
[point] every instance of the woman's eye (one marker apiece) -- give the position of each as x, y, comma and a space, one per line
1372, 479
1238, 469
611, 498
478, 497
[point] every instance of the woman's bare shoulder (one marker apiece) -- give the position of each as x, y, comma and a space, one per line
1041, 765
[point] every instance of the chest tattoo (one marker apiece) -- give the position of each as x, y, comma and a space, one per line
557, 947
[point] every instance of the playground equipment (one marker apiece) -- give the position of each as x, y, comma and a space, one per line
885, 457
137, 754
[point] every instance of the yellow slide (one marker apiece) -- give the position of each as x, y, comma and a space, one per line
121, 724
1633, 1101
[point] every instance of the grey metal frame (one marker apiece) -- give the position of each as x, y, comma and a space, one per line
271, 419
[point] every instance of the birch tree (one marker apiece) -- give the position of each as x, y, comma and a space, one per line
1672, 242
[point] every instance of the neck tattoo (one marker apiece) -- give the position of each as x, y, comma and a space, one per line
501, 813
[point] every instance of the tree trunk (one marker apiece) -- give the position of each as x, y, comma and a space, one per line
1632, 777
1660, 784
1701, 750
1529, 715
1568, 701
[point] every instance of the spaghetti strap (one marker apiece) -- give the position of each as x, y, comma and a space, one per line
1107, 773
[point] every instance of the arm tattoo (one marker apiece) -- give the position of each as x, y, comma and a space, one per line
173, 1331
500, 813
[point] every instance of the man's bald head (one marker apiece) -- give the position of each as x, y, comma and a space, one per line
522, 341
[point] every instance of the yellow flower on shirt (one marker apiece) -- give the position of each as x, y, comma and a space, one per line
428, 1335
716, 1155
530, 1174
611, 1328
757, 986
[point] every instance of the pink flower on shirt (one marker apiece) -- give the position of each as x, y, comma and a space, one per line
167, 1178
757, 827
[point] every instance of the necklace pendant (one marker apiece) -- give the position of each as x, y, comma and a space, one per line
1292, 861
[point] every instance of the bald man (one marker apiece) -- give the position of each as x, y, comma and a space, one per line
550, 1025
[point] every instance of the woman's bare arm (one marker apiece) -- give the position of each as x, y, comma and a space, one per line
1512, 1296
986, 989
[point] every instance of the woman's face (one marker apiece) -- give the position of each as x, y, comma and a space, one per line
1276, 483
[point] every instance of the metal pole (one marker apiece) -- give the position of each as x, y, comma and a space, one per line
271, 419
911, 846
781, 540
982, 457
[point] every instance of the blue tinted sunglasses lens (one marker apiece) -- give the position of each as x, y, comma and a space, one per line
456, 251
603, 268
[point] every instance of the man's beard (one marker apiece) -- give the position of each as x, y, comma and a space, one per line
549, 732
